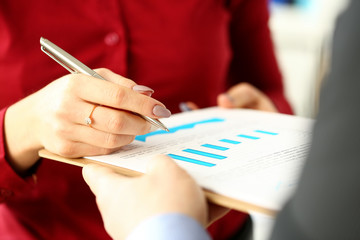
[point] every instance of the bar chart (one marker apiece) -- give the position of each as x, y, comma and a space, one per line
224, 144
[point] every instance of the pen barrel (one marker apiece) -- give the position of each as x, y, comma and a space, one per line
64, 58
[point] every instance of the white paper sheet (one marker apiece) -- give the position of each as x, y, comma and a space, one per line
261, 165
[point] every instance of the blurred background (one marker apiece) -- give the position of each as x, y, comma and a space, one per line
302, 32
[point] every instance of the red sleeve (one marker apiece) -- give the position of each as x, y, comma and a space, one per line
254, 59
11, 184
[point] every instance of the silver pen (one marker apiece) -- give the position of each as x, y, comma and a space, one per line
75, 66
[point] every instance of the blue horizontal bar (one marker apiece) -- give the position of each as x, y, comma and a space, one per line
215, 147
270, 133
190, 160
206, 154
229, 141
247, 136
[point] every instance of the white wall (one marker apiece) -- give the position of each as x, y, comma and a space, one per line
300, 36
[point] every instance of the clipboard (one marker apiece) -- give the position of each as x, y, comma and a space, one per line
211, 196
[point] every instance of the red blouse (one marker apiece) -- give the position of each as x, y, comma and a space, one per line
189, 50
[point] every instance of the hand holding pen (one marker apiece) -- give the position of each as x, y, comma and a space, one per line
99, 116
80, 115
109, 110
75, 66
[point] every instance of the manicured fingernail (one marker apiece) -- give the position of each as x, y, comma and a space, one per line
143, 89
160, 111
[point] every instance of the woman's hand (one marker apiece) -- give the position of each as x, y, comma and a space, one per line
245, 95
54, 118
242, 95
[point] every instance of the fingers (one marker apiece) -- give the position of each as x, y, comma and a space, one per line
244, 95
120, 80
84, 117
99, 177
118, 96
125, 202
159, 162
115, 78
72, 141
119, 122
71, 149
97, 138
225, 101
108, 120
240, 96
165, 167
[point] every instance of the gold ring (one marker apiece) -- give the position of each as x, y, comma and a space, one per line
89, 119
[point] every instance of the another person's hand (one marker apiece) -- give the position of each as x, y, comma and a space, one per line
245, 95
54, 117
125, 202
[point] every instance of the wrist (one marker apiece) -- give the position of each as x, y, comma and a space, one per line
166, 226
21, 145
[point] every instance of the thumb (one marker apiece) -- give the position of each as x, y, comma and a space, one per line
165, 167
161, 163
97, 176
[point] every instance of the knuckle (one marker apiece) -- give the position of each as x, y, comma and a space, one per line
129, 139
119, 95
70, 82
126, 82
106, 151
143, 104
116, 124
102, 71
111, 140
71, 87
60, 130
66, 149
60, 112
145, 129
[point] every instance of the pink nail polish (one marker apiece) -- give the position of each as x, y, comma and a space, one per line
143, 89
160, 111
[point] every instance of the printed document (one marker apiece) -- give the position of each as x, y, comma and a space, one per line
252, 156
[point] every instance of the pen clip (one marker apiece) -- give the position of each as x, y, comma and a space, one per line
57, 60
